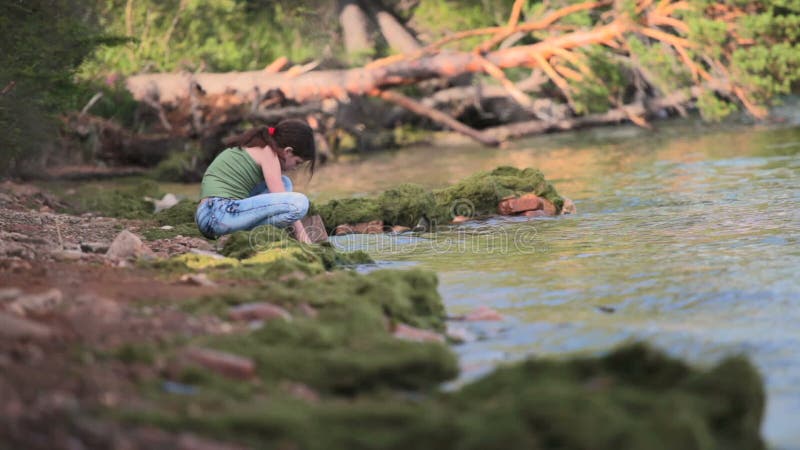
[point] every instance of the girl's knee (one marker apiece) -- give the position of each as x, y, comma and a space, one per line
300, 202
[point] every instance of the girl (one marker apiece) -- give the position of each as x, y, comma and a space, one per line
244, 186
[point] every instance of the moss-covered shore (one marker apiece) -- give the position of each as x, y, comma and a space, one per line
314, 359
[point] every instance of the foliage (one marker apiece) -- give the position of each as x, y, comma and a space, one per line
42, 43
211, 35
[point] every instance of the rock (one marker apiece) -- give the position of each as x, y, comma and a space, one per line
9, 294
212, 254
568, 207
409, 333
308, 310
94, 247
167, 227
198, 279
67, 255
258, 311
100, 309
127, 246
548, 207
512, 205
226, 364
166, 202
302, 391
371, 227
482, 313
39, 303
397, 229
12, 327
606, 309
537, 213
460, 219
459, 335
315, 228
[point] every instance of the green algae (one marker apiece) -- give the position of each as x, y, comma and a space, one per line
476, 195
633, 398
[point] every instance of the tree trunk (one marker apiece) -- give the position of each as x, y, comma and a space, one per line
354, 27
396, 35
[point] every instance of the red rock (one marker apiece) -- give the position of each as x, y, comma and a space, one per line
409, 333
223, 363
400, 229
460, 219
548, 207
537, 213
315, 228
258, 311
482, 313
372, 227
512, 205
18, 328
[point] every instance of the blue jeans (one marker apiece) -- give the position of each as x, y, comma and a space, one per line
216, 216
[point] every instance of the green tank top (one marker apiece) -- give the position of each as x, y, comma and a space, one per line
232, 174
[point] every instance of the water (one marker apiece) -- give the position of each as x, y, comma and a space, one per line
686, 237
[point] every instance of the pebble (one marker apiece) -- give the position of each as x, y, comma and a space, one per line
258, 311
409, 333
39, 303
199, 279
19, 328
127, 246
460, 219
223, 363
67, 255
482, 313
8, 294
95, 247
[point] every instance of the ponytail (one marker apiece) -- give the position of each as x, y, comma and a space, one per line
293, 133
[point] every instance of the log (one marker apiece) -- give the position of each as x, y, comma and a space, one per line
360, 81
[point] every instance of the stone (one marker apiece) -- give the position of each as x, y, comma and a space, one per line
12, 327
40, 303
223, 363
568, 207
371, 227
482, 313
308, 310
548, 207
315, 228
301, 391
67, 255
397, 229
459, 335
198, 279
512, 205
167, 227
94, 247
409, 333
127, 246
460, 219
9, 294
166, 202
537, 213
258, 311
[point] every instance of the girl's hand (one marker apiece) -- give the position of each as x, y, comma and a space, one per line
300, 233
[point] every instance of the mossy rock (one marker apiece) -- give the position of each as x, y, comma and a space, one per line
634, 398
477, 195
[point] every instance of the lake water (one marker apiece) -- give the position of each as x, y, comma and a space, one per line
687, 237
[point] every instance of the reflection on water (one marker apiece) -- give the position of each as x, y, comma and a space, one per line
686, 237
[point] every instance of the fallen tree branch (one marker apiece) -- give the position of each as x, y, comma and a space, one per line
437, 116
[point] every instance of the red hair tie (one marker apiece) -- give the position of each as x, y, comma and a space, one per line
271, 131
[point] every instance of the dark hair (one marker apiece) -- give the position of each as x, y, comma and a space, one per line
293, 133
